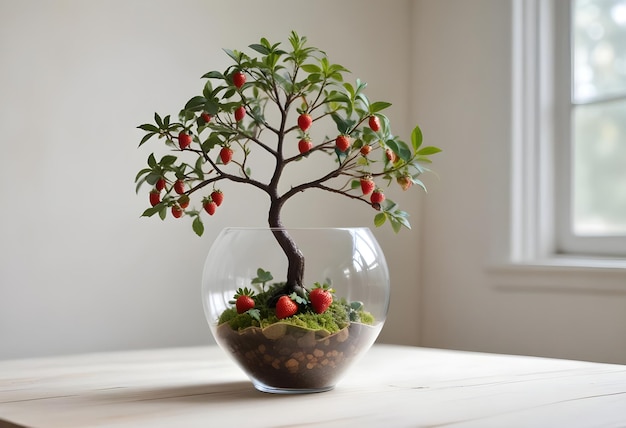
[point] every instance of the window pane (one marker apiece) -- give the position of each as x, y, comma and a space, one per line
599, 49
599, 188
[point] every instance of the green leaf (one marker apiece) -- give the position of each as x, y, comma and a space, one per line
196, 103
152, 163
198, 226
147, 137
260, 49
379, 106
151, 211
311, 68
429, 150
380, 219
355, 184
167, 160
262, 277
343, 125
148, 127
416, 138
213, 75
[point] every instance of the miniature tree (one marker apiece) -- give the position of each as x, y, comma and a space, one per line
250, 109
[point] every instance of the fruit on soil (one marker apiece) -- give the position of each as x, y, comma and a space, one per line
320, 299
285, 307
244, 303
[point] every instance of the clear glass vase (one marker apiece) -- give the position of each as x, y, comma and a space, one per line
309, 351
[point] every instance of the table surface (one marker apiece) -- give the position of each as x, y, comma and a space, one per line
392, 386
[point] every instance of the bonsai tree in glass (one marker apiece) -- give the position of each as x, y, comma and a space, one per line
267, 105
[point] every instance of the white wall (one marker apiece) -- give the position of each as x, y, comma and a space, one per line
79, 269
463, 93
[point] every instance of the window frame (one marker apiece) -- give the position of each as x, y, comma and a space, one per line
542, 150
566, 241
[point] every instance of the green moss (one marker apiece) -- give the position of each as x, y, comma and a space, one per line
337, 316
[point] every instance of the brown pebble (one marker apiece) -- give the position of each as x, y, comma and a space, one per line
318, 353
262, 348
292, 365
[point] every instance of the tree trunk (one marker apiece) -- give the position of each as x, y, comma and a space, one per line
295, 258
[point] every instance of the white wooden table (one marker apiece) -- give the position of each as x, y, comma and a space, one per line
392, 386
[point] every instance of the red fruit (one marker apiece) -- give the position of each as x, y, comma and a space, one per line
206, 117
244, 303
179, 187
367, 185
240, 113
218, 197
391, 155
184, 140
343, 143
377, 197
226, 154
366, 149
304, 121
285, 307
210, 207
239, 79
320, 299
160, 184
405, 182
155, 197
304, 145
177, 211
374, 123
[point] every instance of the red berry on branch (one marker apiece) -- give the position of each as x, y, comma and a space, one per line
160, 184
226, 154
210, 207
304, 121
405, 181
240, 113
179, 187
367, 185
342, 142
374, 123
184, 140
206, 117
377, 197
304, 146
391, 155
239, 79
177, 211
155, 197
218, 197
366, 149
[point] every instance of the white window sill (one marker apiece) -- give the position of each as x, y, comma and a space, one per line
563, 274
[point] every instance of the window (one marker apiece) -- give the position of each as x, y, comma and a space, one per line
569, 129
590, 83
